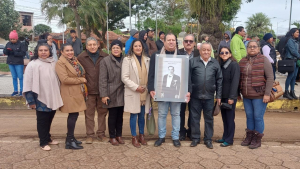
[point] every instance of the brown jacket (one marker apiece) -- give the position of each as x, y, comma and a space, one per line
110, 83
151, 45
70, 87
92, 70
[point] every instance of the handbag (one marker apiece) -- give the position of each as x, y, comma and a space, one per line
226, 106
276, 91
286, 66
150, 120
217, 109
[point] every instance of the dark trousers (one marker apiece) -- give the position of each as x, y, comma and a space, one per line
183, 131
71, 123
228, 122
197, 105
44, 121
115, 121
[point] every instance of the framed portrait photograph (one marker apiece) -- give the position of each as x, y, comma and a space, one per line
171, 77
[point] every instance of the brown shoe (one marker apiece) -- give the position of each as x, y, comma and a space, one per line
89, 140
120, 140
113, 141
142, 139
102, 138
256, 141
248, 139
135, 142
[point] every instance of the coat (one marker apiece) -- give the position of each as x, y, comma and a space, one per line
159, 44
223, 43
110, 83
151, 45
237, 47
77, 45
70, 87
291, 49
130, 77
195, 54
128, 44
15, 56
92, 70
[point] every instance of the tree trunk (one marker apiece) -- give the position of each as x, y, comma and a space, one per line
77, 20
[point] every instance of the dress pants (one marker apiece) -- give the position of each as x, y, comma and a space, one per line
44, 121
115, 121
228, 122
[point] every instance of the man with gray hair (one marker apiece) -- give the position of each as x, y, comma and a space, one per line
90, 60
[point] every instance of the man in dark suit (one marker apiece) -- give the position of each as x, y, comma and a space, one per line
189, 49
171, 84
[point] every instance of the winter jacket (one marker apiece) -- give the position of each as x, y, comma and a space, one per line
16, 54
159, 44
231, 79
141, 37
183, 52
269, 51
92, 71
223, 43
152, 46
237, 47
128, 44
204, 81
291, 49
77, 45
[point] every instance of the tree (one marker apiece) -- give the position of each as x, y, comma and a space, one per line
297, 24
9, 18
41, 28
258, 24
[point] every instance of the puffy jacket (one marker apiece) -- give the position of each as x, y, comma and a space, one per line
237, 47
15, 56
205, 80
128, 44
291, 49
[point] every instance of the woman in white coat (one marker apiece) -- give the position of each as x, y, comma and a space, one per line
135, 69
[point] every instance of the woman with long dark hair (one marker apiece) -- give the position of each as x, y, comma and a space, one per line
41, 90
231, 76
143, 35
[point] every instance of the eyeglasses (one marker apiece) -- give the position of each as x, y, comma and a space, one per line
252, 47
222, 53
188, 41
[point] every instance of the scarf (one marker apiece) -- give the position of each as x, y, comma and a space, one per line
143, 76
163, 51
94, 56
80, 73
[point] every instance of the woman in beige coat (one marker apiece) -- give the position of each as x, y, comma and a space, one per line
73, 91
135, 69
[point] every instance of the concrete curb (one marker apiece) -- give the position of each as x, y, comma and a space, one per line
19, 103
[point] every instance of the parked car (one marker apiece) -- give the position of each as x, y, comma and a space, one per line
1, 50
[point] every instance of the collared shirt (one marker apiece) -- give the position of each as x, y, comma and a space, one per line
190, 55
205, 63
169, 80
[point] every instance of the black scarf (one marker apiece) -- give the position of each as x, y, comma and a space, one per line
94, 56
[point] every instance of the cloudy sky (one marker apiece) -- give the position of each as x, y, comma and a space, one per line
278, 10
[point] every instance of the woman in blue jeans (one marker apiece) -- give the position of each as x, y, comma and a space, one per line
135, 69
256, 83
291, 53
15, 52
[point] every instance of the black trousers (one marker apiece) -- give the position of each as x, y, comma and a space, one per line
115, 121
228, 122
183, 131
71, 123
197, 105
44, 121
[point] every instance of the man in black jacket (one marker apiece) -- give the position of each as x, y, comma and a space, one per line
205, 80
189, 49
163, 107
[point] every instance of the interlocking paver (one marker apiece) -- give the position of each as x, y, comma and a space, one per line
170, 154
286, 157
130, 161
108, 165
150, 165
275, 167
214, 164
67, 164
252, 164
246, 155
44, 167
224, 152
91, 161
262, 152
270, 161
26, 164
191, 166
208, 155
233, 167
134, 152
170, 162
51, 160
188, 158
113, 156
291, 164
229, 160
6, 166
37, 155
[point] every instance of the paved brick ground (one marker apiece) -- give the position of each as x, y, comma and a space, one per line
25, 153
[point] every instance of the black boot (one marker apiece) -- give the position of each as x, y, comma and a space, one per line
287, 95
292, 93
71, 144
76, 141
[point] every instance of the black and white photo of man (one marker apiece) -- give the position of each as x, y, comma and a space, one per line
171, 85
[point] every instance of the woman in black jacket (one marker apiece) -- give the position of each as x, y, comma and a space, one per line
143, 35
231, 78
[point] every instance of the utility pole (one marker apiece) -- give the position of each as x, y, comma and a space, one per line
156, 20
290, 15
129, 15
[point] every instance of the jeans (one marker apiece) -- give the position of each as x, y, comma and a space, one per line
228, 122
291, 78
115, 121
17, 72
255, 110
141, 121
44, 121
197, 105
163, 109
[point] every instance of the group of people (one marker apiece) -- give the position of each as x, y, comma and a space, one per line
116, 83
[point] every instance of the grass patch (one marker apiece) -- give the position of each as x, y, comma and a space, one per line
4, 67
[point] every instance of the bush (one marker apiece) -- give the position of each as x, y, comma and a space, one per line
4, 67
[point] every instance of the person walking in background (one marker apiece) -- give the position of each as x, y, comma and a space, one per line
73, 91
42, 93
268, 50
143, 38
15, 52
231, 77
226, 41
236, 45
90, 60
75, 42
189, 49
134, 34
256, 83
160, 41
111, 90
291, 53
150, 41
205, 80
53, 47
135, 68
204, 39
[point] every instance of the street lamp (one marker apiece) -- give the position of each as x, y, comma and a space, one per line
107, 42
277, 26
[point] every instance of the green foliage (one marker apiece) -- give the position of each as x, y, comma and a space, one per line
4, 67
25, 33
258, 24
230, 10
41, 28
118, 31
175, 28
297, 24
9, 18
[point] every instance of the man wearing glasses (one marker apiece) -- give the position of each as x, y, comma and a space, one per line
189, 49
236, 45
